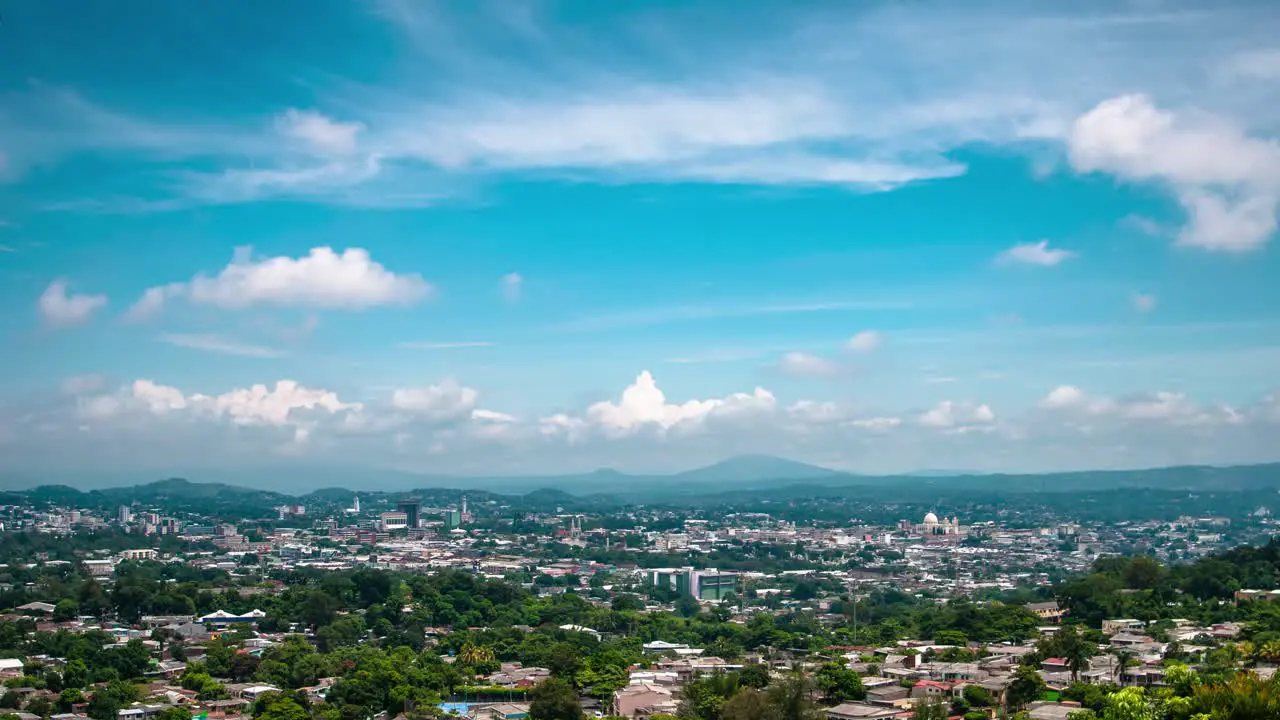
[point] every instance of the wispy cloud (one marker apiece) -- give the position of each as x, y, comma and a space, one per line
220, 345
668, 315
787, 101
444, 345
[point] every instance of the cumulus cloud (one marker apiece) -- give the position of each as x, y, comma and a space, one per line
441, 428
1161, 406
1227, 182
446, 401
1035, 253
286, 403
806, 365
58, 307
643, 404
863, 342
948, 414
350, 280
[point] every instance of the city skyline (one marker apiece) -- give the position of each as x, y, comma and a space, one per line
549, 238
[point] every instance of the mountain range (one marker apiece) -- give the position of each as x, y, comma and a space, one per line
756, 474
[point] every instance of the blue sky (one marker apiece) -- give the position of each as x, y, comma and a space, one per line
541, 237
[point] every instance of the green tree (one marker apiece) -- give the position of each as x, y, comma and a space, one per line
625, 602
69, 697
1143, 573
748, 704
66, 609
75, 674
754, 675
687, 606
555, 699
103, 706
930, 708
174, 712
284, 708
1027, 685
839, 683
977, 696
791, 699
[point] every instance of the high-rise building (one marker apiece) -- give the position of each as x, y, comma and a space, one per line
125, 515
410, 508
452, 519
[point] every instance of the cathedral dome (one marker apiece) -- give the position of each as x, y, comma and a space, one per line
930, 519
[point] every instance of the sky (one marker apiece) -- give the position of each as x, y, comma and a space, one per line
530, 237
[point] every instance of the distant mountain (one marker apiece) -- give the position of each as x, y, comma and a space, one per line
757, 474
755, 468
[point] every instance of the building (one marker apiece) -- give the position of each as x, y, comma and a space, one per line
452, 519
1111, 627
138, 554
1047, 611
708, 584
222, 617
394, 520
1251, 595
933, 526
412, 510
125, 515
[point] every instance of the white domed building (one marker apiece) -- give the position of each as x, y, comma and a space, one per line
933, 526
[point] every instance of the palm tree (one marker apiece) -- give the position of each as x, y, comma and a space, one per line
472, 655
1270, 651
1076, 651
1124, 661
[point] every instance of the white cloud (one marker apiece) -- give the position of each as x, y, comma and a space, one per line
1063, 396
274, 406
781, 102
643, 404
1228, 224
1227, 181
948, 414
863, 342
492, 416
440, 429
1158, 407
320, 133
1144, 302
446, 401
512, 284
159, 399
58, 307
876, 423
288, 403
217, 344
1035, 253
153, 301
350, 280
806, 365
